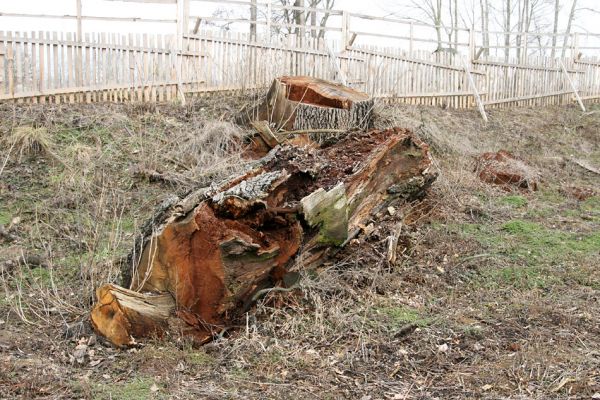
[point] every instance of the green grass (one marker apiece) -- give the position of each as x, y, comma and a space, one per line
514, 201
591, 209
526, 254
199, 358
5, 217
135, 389
67, 136
524, 238
395, 317
521, 277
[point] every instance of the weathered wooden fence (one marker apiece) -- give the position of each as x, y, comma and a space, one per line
89, 67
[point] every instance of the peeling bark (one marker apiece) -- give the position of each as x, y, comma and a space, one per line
215, 250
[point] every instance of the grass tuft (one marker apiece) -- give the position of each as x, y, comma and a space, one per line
27, 140
514, 201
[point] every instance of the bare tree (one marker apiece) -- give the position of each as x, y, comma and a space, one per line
568, 30
253, 15
485, 26
455, 24
290, 19
431, 12
555, 26
507, 29
298, 17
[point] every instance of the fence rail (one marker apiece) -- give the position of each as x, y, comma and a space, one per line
83, 66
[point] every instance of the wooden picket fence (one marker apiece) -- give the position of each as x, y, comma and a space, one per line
76, 67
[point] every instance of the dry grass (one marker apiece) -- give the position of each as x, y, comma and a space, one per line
493, 295
213, 150
27, 140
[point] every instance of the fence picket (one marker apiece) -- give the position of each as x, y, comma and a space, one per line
40, 66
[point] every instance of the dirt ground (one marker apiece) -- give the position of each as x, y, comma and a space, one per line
495, 293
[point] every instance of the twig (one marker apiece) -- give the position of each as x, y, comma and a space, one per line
7, 157
393, 243
274, 289
583, 164
309, 131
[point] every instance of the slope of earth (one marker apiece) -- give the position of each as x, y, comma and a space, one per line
494, 293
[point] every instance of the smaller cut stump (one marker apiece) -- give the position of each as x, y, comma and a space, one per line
307, 103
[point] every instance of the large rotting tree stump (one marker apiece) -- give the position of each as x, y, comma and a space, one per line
306, 103
204, 259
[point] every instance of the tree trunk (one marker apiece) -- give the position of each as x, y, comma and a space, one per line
568, 30
438, 23
306, 103
507, 29
203, 260
484, 26
253, 18
455, 25
555, 27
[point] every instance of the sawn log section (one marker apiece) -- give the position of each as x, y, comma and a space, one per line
202, 259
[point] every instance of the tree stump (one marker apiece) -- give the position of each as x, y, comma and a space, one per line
214, 251
306, 103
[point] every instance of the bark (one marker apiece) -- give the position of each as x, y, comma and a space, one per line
555, 27
305, 103
485, 17
253, 15
313, 19
298, 19
455, 26
437, 12
568, 30
206, 258
507, 29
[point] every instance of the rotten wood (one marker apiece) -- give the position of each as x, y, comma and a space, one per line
216, 250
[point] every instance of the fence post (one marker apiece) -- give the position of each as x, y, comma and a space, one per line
474, 89
78, 10
525, 48
79, 61
11, 64
183, 10
410, 41
573, 87
345, 28
269, 16
2, 71
253, 20
471, 44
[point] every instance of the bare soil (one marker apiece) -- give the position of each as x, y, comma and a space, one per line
494, 294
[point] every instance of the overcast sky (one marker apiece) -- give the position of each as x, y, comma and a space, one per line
586, 19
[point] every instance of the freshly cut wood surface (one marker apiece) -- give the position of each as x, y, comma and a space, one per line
319, 92
307, 103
